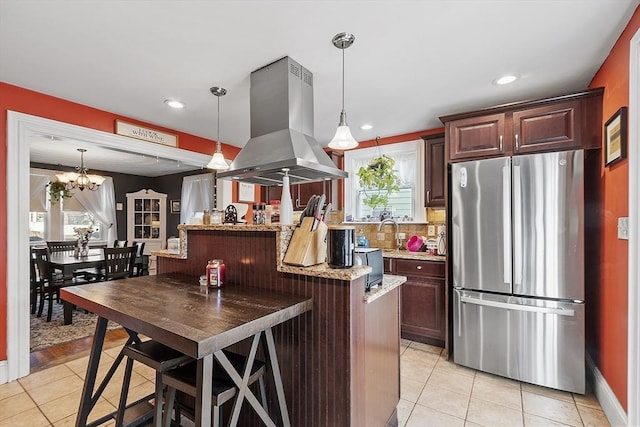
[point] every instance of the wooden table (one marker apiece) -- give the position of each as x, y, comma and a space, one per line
68, 264
172, 310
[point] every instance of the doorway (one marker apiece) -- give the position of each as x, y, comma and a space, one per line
20, 128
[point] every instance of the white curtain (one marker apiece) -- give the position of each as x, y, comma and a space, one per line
197, 195
38, 190
101, 204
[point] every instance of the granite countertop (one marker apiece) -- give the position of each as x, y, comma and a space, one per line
235, 227
389, 282
323, 270
420, 256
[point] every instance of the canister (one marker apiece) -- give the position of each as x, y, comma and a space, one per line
340, 246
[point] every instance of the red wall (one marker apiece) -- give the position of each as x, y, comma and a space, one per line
37, 104
607, 318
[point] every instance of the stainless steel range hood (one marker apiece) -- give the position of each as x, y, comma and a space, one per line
281, 104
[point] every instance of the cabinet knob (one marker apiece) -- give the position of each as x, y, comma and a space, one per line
419, 267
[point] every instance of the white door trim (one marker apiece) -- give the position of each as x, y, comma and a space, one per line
20, 128
633, 341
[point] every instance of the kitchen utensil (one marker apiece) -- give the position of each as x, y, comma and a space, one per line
326, 211
318, 211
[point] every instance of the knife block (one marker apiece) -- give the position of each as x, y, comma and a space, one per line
307, 247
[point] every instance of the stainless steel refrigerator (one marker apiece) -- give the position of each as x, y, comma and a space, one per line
518, 267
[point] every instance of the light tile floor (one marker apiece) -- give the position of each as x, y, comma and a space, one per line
434, 392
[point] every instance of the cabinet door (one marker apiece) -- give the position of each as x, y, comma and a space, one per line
434, 175
552, 127
301, 193
477, 137
422, 309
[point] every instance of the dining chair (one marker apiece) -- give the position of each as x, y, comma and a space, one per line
118, 262
120, 243
142, 261
62, 246
51, 282
35, 282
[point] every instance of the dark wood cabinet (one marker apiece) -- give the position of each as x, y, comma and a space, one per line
553, 124
435, 171
422, 299
301, 193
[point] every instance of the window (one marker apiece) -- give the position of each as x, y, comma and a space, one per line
80, 219
405, 205
37, 227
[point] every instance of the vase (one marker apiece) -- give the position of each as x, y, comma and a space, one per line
84, 249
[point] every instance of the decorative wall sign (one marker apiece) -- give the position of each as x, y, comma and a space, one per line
615, 137
246, 192
146, 134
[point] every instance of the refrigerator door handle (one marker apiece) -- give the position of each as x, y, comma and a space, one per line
518, 307
506, 222
517, 226
459, 298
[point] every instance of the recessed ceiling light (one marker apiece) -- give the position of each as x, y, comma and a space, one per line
366, 127
505, 80
174, 103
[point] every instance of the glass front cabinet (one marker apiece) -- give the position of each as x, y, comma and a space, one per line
146, 219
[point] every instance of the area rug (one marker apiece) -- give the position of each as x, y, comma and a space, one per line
46, 334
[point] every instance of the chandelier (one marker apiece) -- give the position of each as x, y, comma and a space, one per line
80, 179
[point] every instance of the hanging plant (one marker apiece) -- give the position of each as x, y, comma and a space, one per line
57, 191
378, 180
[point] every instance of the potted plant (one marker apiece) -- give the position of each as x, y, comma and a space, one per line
57, 191
378, 180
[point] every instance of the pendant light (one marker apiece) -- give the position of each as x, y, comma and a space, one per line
217, 161
80, 179
343, 140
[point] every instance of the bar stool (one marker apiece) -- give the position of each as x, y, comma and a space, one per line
158, 357
223, 387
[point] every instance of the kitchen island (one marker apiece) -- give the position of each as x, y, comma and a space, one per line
340, 361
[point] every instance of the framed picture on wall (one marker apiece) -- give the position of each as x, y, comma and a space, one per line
615, 137
175, 206
246, 192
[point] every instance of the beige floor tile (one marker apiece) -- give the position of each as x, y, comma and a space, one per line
135, 393
410, 388
69, 421
471, 424
485, 376
421, 416
101, 409
426, 347
62, 407
144, 370
114, 351
589, 400
44, 377
114, 388
548, 392
554, 409
492, 415
404, 410
15, 404
593, 417
496, 392
79, 366
30, 418
416, 369
53, 391
444, 400
451, 381
425, 357
450, 366
535, 421
10, 389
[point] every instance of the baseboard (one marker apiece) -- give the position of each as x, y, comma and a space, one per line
607, 399
4, 375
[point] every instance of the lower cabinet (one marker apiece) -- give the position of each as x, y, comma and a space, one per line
422, 299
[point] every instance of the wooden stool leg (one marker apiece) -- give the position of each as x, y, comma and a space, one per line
168, 406
124, 393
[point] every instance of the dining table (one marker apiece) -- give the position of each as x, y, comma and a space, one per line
68, 263
176, 311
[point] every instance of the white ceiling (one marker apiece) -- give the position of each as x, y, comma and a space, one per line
412, 61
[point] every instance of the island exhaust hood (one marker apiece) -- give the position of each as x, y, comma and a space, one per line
281, 103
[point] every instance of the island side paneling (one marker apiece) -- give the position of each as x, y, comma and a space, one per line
321, 356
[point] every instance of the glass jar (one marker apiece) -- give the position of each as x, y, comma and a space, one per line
206, 217
216, 217
259, 213
215, 273
275, 211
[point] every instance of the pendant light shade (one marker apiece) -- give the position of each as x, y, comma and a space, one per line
343, 140
218, 161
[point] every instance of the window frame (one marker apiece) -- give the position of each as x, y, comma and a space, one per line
351, 187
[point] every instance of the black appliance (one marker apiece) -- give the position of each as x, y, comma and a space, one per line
373, 258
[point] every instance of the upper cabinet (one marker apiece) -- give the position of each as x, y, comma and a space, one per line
552, 124
434, 171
